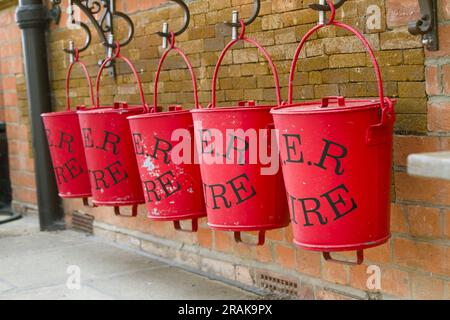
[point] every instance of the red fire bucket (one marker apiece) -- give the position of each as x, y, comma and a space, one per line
337, 159
109, 149
66, 144
172, 186
238, 196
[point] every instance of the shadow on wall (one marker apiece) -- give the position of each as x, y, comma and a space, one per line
5, 182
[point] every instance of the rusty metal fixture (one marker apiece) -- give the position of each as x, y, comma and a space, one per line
187, 19
104, 25
255, 14
427, 25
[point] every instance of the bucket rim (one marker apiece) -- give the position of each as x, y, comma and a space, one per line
234, 108
368, 105
118, 203
263, 227
159, 114
178, 217
59, 113
111, 110
75, 196
342, 247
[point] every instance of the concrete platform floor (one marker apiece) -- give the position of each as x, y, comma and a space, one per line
35, 265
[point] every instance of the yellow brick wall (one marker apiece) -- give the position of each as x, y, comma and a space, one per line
333, 63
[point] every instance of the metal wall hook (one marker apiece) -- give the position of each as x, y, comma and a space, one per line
55, 11
165, 31
326, 7
130, 35
427, 25
87, 42
187, 20
255, 14
104, 25
72, 52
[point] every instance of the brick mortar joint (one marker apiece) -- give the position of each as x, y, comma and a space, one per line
421, 204
439, 61
431, 241
439, 98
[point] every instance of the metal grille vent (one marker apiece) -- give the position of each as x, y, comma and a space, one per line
83, 222
277, 285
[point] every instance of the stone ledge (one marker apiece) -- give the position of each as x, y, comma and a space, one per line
430, 165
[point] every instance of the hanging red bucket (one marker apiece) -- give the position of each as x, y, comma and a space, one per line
173, 187
238, 196
66, 144
109, 148
337, 159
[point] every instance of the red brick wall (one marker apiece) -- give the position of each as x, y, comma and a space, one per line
438, 76
415, 262
14, 111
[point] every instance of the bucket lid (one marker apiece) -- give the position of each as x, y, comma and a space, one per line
58, 114
64, 113
117, 108
328, 105
241, 106
172, 111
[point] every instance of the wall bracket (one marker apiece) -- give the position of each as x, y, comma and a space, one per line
55, 11
101, 13
427, 25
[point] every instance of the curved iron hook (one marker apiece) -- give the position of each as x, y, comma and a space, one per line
87, 43
326, 7
130, 30
255, 13
187, 20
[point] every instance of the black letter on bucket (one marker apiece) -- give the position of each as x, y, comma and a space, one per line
117, 176
241, 188
101, 178
137, 139
168, 183
221, 195
326, 154
74, 170
322, 220
114, 142
165, 150
339, 200
292, 147
151, 189
67, 141
87, 137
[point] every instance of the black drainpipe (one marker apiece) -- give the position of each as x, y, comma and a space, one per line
33, 18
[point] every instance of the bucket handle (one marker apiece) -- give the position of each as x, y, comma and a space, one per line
115, 56
134, 212
359, 258
261, 49
194, 228
87, 204
261, 238
326, 101
386, 107
76, 60
158, 72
